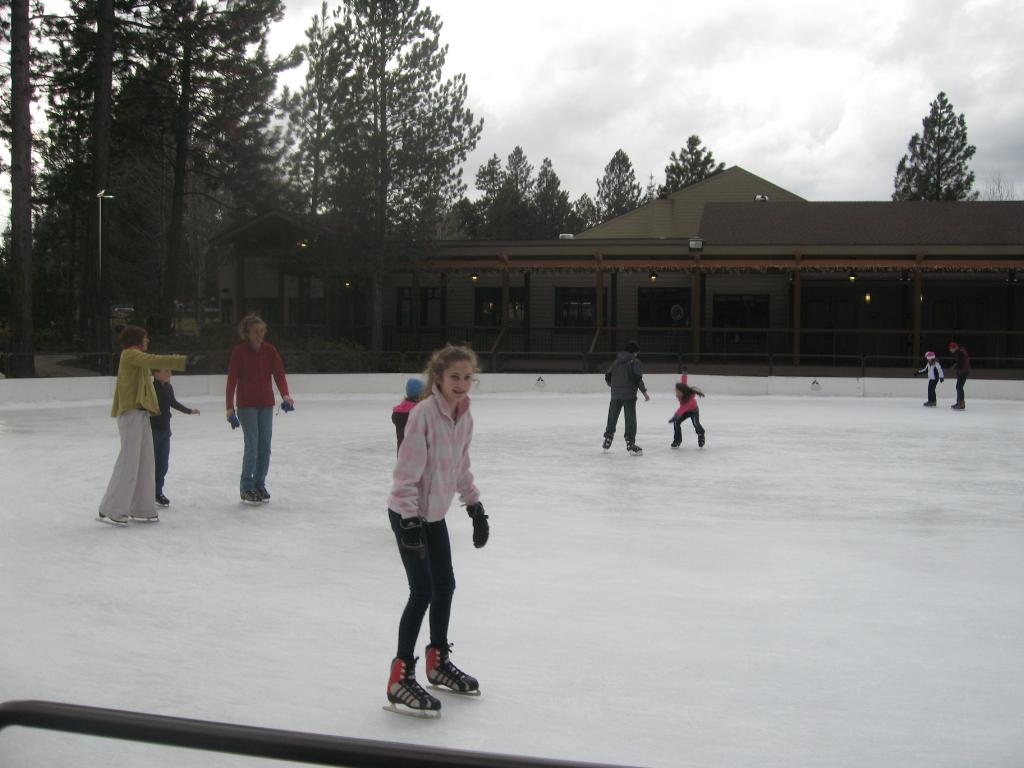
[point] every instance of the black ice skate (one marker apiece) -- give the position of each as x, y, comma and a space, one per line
249, 497
407, 696
162, 500
607, 442
634, 450
263, 494
700, 441
443, 674
929, 404
676, 443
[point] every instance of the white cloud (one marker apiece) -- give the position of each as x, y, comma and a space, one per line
818, 97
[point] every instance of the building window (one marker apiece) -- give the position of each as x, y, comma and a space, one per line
430, 307
577, 307
403, 307
487, 306
663, 307
737, 311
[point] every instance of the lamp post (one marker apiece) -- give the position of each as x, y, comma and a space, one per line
100, 197
102, 316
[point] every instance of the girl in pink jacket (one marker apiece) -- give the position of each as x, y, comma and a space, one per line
687, 397
433, 465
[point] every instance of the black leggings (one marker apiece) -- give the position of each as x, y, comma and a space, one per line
431, 583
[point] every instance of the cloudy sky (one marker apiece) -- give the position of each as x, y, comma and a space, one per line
817, 96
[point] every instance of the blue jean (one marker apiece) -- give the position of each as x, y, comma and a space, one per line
694, 417
162, 456
257, 429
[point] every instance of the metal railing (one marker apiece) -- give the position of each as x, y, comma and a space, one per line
250, 741
993, 353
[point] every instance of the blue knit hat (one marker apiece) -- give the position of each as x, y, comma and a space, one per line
413, 388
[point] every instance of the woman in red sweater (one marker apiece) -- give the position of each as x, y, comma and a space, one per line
253, 363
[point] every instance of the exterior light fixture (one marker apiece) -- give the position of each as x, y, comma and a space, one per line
303, 244
867, 298
1011, 277
852, 277
653, 276
348, 284
474, 277
696, 243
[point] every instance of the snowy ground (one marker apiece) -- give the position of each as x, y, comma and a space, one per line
830, 582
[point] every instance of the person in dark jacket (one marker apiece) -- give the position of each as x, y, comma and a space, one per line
161, 426
962, 366
625, 377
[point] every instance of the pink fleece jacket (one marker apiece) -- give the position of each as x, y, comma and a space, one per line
433, 462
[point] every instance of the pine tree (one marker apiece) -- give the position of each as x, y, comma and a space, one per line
936, 165
693, 163
21, 190
618, 191
585, 214
401, 137
554, 214
309, 112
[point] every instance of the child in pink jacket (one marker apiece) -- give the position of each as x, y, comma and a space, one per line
433, 465
400, 413
687, 397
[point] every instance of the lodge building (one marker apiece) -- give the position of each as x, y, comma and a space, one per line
730, 272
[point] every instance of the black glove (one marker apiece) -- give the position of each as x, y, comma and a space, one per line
286, 406
481, 530
917, 373
942, 381
233, 421
411, 536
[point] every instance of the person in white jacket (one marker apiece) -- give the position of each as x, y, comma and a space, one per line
433, 465
935, 376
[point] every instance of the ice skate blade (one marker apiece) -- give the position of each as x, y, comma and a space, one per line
422, 714
446, 689
112, 521
153, 519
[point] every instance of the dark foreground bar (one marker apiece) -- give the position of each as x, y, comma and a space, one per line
268, 743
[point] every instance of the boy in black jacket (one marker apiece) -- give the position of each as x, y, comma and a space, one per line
625, 377
162, 429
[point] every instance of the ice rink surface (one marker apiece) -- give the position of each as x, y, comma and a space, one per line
829, 582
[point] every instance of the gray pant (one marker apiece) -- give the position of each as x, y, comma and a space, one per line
132, 487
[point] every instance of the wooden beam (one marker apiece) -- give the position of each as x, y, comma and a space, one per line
665, 265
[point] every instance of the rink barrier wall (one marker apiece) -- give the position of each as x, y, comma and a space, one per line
206, 388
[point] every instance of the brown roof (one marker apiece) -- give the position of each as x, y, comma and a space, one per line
874, 223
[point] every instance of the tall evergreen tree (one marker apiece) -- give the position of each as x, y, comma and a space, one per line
693, 163
509, 214
402, 137
585, 213
310, 110
936, 164
618, 191
21, 190
554, 214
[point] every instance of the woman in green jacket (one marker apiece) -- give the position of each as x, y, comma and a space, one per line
131, 492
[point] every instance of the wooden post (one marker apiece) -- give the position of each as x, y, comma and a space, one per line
796, 304
599, 304
696, 310
239, 284
917, 311
416, 310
